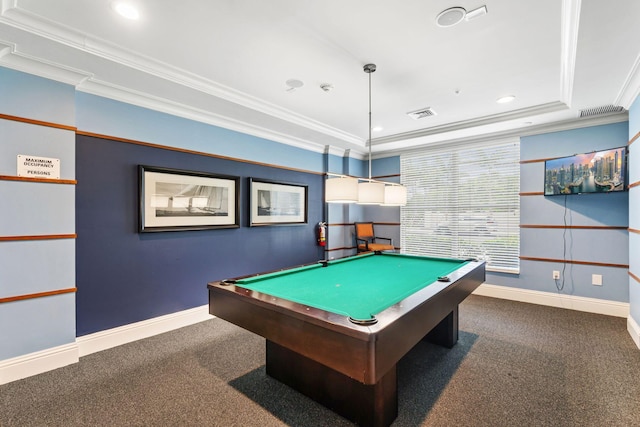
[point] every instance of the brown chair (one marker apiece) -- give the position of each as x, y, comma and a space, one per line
366, 239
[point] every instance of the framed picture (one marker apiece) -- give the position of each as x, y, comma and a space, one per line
277, 203
175, 200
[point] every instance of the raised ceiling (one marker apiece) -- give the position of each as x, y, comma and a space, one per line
227, 62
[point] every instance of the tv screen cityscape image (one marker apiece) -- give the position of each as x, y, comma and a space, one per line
596, 172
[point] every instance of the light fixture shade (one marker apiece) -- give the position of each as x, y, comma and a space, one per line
395, 195
341, 190
371, 193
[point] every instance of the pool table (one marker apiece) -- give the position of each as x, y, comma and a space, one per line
335, 330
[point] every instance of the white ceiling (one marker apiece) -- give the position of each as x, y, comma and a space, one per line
226, 62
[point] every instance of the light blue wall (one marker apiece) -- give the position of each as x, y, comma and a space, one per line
36, 140
37, 324
107, 117
37, 209
33, 209
24, 95
334, 164
607, 246
634, 211
37, 266
386, 166
569, 142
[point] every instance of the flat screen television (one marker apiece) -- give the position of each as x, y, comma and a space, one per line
596, 172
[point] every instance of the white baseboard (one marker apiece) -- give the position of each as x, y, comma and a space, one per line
136, 331
47, 360
634, 330
571, 302
36, 363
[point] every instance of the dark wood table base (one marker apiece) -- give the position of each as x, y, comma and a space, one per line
366, 405
373, 405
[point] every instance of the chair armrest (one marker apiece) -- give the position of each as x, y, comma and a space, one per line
365, 242
384, 238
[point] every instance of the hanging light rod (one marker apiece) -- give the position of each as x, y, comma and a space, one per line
370, 68
370, 192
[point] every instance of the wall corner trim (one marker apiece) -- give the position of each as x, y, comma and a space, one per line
634, 330
570, 302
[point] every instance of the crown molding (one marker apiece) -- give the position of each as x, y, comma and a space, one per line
151, 102
11, 58
577, 123
23, 20
5, 49
7, 4
630, 90
514, 133
85, 82
481, 121
569, 47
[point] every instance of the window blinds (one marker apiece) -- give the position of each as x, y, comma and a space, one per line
463, 201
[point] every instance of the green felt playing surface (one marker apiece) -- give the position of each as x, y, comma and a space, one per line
358, 287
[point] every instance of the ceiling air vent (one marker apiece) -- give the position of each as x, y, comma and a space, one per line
599, 111
421, 113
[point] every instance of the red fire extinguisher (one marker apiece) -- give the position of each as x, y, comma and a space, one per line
322, 234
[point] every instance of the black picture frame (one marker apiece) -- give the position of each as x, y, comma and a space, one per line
277, 203
180, 200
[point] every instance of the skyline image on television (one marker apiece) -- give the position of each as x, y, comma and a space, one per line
596, 172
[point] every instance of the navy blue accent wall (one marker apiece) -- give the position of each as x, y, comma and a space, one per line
124, 276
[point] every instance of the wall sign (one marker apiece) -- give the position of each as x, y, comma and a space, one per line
38, 167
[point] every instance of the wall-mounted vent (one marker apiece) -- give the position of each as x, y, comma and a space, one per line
421, 113
599, 111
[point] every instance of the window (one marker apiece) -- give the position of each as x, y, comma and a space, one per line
463, 201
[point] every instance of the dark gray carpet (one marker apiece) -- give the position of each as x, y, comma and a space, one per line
514, 365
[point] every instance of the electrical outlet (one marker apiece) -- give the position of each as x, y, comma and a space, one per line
556, 275
596, 279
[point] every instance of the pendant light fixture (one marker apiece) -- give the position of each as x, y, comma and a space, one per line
364, 191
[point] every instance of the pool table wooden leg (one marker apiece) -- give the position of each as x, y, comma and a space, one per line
366, 405
445, 333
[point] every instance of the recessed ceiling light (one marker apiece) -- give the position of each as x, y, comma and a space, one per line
377, 129
505, 99
450, 16
126, 10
